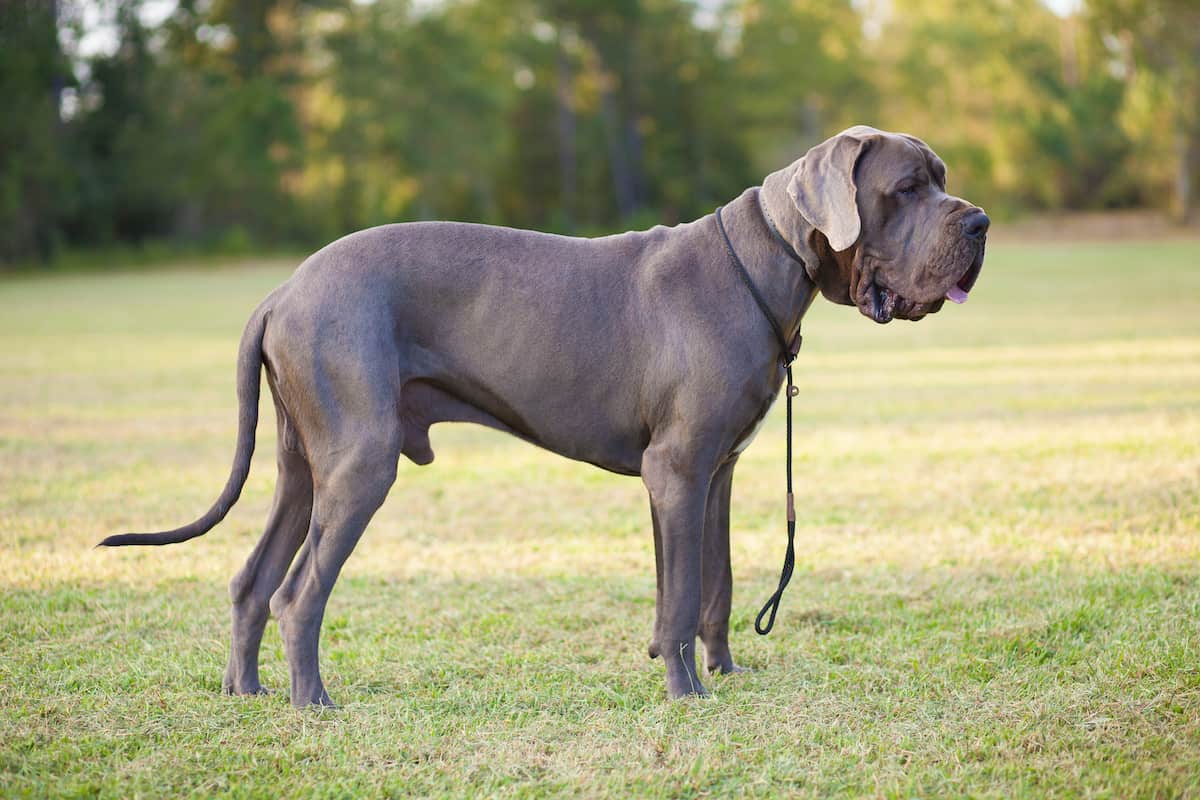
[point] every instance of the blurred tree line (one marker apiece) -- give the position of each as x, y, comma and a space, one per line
269, 122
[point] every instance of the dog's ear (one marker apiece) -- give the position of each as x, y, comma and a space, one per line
823, 188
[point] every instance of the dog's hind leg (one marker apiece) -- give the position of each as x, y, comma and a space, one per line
347, 496
253, 586
352, 433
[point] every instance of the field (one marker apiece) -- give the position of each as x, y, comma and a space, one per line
996, 594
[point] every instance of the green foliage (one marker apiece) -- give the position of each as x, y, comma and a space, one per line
802, 71
1157, 43
294, 121
35, 179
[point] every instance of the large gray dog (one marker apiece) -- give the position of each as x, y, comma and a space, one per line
643, 353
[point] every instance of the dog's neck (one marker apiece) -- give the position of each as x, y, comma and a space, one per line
831, 272
784, 284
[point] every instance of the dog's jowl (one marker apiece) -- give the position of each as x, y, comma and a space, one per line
645, 353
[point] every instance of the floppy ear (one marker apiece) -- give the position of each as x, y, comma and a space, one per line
823, 189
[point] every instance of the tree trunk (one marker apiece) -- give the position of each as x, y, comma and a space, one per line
1187, 140
1185, 164
566, 138
633, 136
618, 163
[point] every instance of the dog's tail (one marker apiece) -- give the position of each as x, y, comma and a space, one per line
249, 367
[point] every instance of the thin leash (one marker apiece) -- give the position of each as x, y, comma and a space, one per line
787, 354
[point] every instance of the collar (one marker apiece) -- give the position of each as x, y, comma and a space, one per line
787, 350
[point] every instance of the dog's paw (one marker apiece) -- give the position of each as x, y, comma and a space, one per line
719, 660
319, 701
242, 689
686, 691
727, 668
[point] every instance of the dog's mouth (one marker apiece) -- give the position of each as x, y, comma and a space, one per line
961, 289
876, 297
884, 305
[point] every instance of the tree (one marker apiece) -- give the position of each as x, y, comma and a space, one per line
802, 73
1156, 44
34, 174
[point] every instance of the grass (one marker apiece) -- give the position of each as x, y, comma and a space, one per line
996, 593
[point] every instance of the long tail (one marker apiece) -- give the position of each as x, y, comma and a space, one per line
248, 377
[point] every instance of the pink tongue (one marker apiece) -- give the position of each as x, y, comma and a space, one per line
956, 295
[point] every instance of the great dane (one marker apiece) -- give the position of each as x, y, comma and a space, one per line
644, 353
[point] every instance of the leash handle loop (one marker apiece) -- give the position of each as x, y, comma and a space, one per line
771, 607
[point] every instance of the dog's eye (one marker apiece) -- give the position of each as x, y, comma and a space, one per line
906, 191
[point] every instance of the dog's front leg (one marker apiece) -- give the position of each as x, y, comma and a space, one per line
678, 489
717, 582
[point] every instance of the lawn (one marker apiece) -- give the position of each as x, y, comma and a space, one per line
996, 593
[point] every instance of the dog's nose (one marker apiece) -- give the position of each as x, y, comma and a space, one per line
975, 224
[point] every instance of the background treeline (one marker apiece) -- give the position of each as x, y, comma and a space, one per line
290, 122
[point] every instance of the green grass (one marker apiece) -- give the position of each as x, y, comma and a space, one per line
997, 591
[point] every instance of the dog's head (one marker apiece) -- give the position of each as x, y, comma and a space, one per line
899, 245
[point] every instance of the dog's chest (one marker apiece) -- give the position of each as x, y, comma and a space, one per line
748, 437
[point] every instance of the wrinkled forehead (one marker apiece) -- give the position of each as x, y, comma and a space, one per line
893, 159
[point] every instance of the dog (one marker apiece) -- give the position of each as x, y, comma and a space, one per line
652, 353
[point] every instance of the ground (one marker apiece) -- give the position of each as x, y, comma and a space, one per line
996, 592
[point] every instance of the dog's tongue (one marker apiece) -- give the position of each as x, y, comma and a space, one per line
956, 295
